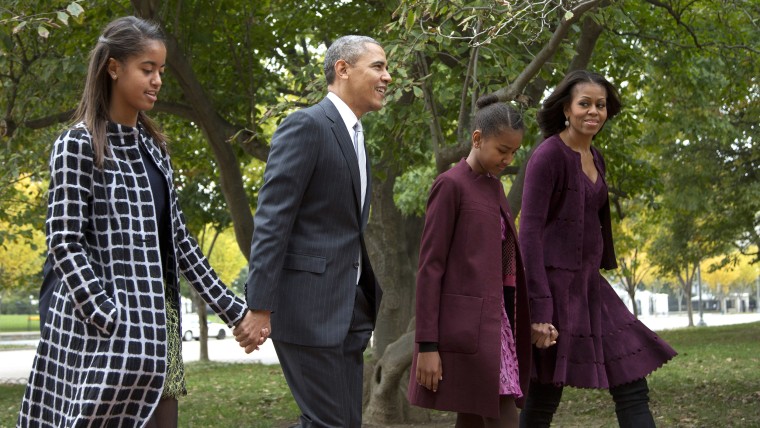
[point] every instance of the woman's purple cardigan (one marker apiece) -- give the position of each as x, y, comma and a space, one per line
551, 221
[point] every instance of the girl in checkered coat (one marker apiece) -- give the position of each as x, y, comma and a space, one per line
110, 351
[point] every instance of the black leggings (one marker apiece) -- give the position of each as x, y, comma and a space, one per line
631, 405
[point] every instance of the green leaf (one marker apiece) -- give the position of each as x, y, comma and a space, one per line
43, 32
63, 17
417, 91
19, 27
410, 18
7, 41
74, 9
568, 15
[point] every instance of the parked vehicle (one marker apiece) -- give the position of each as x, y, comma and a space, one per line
191, 329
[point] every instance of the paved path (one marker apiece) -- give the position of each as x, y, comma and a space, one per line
16, 364
669, 322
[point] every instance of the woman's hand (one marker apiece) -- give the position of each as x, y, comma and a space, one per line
429, 370
253, 330
543, 335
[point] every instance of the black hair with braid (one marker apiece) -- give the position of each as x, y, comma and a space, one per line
494, 116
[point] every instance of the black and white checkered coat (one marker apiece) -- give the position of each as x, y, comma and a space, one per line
101, 360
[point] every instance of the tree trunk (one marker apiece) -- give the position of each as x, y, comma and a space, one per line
514, 196
686, 286
387, 402
634, 306
393, 246
218, 132
679, 295
200, 308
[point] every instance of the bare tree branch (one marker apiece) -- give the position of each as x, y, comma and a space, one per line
590, 32
176, 109
465, 108
677, 16
436, 131
510, 92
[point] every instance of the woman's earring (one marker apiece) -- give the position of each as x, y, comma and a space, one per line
567, 123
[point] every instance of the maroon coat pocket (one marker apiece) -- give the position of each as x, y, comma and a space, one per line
459, 323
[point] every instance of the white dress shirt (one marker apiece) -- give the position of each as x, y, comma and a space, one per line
350, 119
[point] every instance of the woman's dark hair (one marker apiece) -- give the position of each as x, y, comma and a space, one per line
551, 116
120, 40
494, 116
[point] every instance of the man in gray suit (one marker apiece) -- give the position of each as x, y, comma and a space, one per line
311, 284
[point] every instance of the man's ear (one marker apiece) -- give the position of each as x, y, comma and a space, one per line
341, 69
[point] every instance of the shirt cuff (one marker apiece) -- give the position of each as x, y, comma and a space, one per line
428, 346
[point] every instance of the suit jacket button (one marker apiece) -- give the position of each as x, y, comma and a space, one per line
356, 265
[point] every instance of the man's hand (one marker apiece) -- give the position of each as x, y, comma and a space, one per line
253, 330
429, 370
543, 335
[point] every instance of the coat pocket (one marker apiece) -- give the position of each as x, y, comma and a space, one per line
304, 262
459, 325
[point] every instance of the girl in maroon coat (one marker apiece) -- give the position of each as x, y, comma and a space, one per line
471, 357
565, 238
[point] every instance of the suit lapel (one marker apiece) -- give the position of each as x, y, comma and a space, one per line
347, 148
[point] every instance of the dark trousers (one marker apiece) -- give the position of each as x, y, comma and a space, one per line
631, 405
326, 383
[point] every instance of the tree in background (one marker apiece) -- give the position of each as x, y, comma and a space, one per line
685, 239
207, 216
687, 72
632, 234
731, 273
22, 244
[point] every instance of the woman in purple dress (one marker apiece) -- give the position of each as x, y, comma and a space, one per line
565, 238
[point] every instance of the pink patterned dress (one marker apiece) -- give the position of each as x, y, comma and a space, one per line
509, 383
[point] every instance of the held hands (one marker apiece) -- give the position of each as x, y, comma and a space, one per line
429, 370
253, 330
543, 335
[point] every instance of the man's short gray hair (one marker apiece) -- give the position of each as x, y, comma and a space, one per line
347, 48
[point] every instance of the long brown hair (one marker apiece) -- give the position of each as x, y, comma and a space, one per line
120, 40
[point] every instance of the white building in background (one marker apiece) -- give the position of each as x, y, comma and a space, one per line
733, 302
647, 303
186, 305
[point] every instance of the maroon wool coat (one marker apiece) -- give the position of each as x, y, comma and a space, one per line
553, 209
460, 293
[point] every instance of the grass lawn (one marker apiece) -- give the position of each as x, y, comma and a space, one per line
15, 323
236, 395
713, 382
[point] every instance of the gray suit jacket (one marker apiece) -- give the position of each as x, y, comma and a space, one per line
309, 231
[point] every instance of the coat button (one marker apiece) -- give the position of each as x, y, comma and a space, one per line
356, 265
